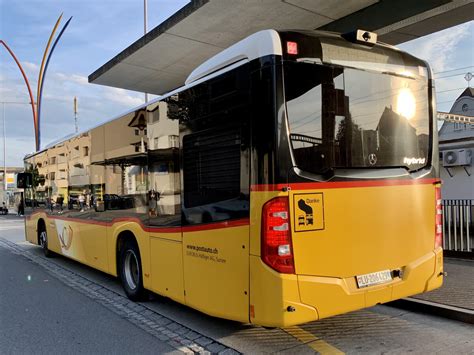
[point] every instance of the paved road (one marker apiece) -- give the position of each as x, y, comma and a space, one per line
376, 330
40, 314
12, 227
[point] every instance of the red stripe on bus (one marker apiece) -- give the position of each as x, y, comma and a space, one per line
217, 225
155, 229
342, 184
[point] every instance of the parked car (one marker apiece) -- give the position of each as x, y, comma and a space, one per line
116, 202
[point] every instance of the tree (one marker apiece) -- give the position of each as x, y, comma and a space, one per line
348, 138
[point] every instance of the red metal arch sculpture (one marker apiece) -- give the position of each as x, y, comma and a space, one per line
33, 107
42, 72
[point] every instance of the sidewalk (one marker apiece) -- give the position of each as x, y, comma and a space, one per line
455, 299
458, 286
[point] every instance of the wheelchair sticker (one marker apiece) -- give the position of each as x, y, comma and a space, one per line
308, 212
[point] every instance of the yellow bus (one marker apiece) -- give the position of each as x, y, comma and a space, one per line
293, 177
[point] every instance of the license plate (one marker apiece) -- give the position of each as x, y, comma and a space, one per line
374, 278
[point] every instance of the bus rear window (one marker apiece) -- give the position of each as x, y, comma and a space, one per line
350, 118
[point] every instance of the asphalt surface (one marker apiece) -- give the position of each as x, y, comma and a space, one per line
40, 315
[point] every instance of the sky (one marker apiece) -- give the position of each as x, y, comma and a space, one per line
99, 30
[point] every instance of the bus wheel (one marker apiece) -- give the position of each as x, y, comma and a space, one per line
131, 271
43, 239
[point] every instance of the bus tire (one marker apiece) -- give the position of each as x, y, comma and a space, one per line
131, 271
43, 241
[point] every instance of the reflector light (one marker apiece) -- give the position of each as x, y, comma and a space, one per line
283, 215
284, 250
438, 218
276, 248
283, 227
291, 47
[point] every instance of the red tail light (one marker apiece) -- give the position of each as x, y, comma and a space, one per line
277, 251
439, 218
292, 47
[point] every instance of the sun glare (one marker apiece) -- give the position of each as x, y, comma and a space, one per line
406, 105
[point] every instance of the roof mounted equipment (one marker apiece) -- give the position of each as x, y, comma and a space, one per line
361, 36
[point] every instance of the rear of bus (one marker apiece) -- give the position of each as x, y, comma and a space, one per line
353, 218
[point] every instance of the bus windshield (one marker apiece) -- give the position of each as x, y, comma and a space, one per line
346, 117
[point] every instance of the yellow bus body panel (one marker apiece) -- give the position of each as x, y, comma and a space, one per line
80, 241
167, 268
271, 295
216, 271
93, 241
366, 229
95, 245
332, 296
31, 233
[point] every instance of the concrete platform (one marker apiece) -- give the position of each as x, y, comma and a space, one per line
454, 300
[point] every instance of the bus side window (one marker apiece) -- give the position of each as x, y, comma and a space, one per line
215, 149
211, 165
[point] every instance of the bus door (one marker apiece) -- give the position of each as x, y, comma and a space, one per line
216, 224
215, 142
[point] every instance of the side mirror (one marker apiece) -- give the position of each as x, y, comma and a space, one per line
24, 180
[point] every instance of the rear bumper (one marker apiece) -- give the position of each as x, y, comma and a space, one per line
314, 297
331, 296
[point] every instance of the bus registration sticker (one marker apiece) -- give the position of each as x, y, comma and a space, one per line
308, 212
374, 278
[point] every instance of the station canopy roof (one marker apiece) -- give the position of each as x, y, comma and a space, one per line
162, 59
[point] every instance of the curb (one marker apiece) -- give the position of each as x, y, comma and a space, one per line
459, 255
421, 306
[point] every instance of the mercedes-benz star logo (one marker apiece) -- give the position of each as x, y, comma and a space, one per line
372, 159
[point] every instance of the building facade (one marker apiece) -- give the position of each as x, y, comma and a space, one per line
8, 195
456, 147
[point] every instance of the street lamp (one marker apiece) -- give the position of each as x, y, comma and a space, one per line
4, 150
145, 29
